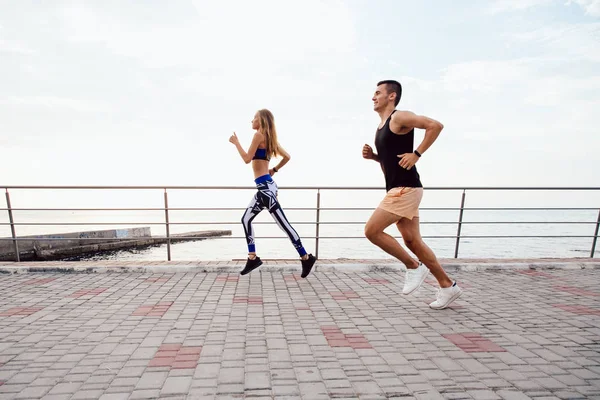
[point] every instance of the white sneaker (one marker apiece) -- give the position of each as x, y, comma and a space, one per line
445, 296
415, 278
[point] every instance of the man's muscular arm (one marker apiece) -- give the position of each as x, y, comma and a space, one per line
404, 122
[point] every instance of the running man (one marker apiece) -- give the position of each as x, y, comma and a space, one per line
394, 141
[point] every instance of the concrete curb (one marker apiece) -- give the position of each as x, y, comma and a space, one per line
90, 268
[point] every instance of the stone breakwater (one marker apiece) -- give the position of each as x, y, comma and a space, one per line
65, 245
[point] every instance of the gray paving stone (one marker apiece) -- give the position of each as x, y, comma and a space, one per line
87, 394
512, 395
31, 392
585, 374
457, 396
151, 380
231, 375
230, 389
367, 387
124, 382
257, 381
587, 390
63, 388
105, 378
447, 364
429, 395
115, 396
550, 383
98, 348
176, 385
570, 395
312, 390
57, 397
483, 395
145, 394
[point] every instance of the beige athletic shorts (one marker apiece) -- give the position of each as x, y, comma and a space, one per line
403, 201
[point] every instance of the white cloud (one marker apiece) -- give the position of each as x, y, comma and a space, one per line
482, 76
500, 6
512, 101
591, 7
54, 102
579, 41
261, 34
524, 76
561, 90
12, 46
261, 51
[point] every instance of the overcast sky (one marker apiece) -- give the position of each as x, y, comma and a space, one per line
148, 92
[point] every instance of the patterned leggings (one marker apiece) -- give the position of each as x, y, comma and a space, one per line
266, 197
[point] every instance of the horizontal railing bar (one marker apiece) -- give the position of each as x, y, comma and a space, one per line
87, 209
311, 209
183, 187
174, 209
295, 223
527, 208
516, 222
204, 209
99, 223
304, 237
135, 209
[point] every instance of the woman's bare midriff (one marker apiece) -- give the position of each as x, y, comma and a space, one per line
260, 168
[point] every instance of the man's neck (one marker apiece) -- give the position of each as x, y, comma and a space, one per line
384, 114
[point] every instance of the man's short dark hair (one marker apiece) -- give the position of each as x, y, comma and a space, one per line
393, 87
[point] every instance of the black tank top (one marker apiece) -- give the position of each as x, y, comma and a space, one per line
389, 146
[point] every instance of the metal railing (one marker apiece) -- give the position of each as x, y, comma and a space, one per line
317, 221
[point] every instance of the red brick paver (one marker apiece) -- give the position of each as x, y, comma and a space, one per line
248, 300
38, 282
578, 309
576, 291
473, 343
157, 310
176, 356
20, 311
227, 278
346, 295
335, 338
535, 273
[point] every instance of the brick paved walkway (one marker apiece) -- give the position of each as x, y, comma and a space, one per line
514, 334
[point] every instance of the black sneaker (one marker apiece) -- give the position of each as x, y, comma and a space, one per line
307, 265
251, 265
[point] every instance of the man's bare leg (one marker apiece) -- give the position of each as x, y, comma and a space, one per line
374, 231
409, 229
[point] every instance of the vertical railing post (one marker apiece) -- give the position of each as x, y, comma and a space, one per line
460, 218
595, 236
318, 223
12, 227
167, 226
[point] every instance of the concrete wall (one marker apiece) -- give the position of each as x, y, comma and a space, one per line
74, 239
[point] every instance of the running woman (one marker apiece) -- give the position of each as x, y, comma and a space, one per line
264, 146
